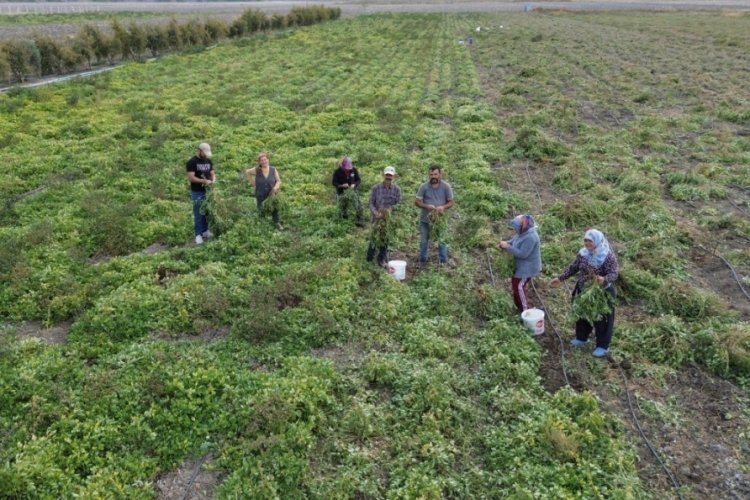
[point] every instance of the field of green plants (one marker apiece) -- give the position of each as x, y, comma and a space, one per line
283, 360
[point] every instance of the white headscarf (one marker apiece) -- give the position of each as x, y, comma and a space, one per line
601, 250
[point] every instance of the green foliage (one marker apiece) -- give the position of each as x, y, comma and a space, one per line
634, 283
349, 202
492, 303
23, 58
573, 176
221, 211
666, 340
44, 55
592, 304
680, 299
438, 226
534, 144
274, 203
390, 229
302, 370
105, 221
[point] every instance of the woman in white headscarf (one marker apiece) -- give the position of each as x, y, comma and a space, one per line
598, 261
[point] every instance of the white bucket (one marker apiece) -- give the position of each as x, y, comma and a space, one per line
397, 268
534, 320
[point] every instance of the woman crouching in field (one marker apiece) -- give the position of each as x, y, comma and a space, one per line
594, 261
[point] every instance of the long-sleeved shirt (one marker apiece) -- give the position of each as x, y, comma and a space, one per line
383, 197
609, 269
526, 252
341, 177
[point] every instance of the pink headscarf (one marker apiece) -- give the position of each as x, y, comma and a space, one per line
346, 163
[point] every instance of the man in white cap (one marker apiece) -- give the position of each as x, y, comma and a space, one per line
383, 197
200, 172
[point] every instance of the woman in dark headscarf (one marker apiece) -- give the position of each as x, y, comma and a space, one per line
526, 251
596, 260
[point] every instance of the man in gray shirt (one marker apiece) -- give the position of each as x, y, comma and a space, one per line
434, 198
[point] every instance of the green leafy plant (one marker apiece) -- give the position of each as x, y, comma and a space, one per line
438, 226
592, 304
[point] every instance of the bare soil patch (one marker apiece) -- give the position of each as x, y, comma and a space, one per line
191, 480
57, 334
698, 437
344, 357
708, 270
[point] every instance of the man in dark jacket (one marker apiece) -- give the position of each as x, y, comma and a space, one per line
346, 180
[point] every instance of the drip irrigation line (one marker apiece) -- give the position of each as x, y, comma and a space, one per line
738, 207
489, 263
559, 338
731, 268
675, 483
194, 476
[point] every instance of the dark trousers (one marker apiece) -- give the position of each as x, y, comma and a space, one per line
602, 328
261, 211
382, 253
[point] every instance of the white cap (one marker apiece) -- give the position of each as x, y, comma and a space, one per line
203, 146
389, 170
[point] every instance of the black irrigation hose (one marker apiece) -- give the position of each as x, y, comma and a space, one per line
489, 263
673, 479
559, 338
731, 268
675, 483
194, 476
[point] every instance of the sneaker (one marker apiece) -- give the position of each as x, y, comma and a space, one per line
600, 352
199, 240
578, 343
208, 234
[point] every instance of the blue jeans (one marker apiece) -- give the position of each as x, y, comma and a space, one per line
424, 237
200, 221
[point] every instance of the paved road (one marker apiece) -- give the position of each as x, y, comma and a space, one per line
356, 7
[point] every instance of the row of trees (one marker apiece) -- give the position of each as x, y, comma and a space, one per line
42, 55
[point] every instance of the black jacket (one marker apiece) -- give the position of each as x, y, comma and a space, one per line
341, 176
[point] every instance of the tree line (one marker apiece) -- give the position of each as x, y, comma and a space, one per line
42, 55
